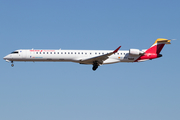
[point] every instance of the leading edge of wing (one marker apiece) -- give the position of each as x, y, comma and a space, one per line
100, 58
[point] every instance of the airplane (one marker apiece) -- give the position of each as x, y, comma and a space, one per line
93, 57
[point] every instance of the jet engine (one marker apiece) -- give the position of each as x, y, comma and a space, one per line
135, 52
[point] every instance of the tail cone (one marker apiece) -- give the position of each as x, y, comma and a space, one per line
159, 55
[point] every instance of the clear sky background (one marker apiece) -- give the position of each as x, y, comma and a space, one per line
69, 91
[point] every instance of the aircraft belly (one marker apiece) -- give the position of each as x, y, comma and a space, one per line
47, 58
110, 61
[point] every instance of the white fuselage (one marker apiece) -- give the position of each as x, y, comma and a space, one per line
77, 56
93, 57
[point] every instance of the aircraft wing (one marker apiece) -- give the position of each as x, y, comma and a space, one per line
99, 59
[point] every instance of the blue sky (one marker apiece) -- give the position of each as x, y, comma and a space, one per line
69, 91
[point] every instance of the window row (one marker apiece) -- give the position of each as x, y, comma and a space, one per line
76, 53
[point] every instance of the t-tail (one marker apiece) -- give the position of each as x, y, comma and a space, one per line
154, 51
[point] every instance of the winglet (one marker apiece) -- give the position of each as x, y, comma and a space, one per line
116, 49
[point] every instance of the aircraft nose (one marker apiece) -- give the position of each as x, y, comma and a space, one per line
6, 57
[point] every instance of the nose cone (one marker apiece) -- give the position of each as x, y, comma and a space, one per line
6, 57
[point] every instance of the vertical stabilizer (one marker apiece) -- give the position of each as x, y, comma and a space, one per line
154, 51
158, 46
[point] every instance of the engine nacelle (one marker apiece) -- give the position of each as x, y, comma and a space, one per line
135, 52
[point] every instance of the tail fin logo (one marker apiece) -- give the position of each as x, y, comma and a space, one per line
154, 51
158, 46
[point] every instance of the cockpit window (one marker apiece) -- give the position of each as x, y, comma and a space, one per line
15, 52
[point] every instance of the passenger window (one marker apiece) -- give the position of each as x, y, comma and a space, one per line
43, 52
54, 52
57, 52
82, 52
71, 52
61, 52
47, 52
36, 52
39, 52
50, 52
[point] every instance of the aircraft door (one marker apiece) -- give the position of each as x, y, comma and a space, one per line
23, 54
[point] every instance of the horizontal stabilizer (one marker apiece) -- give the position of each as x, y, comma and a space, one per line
163, 41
